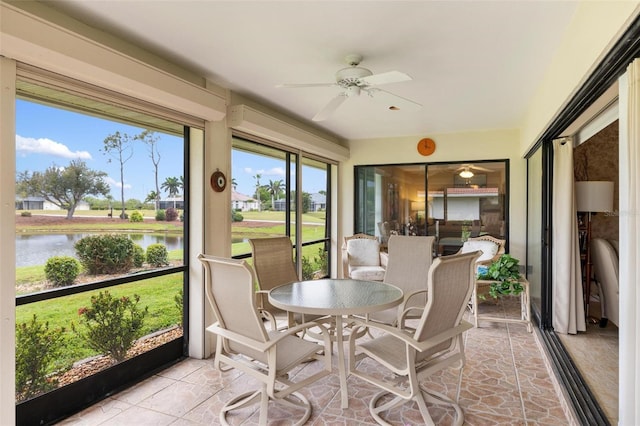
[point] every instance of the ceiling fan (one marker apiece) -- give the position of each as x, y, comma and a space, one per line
354, 80
466, 170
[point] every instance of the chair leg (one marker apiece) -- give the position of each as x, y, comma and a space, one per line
294, 400
421, 398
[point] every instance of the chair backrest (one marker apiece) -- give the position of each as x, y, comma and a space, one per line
273, 261
230, 292
491, 247
360, 250
605, 269
451, 282
408, 266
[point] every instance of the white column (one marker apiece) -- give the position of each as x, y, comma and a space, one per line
7, 240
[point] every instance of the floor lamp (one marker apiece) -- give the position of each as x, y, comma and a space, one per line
592, 197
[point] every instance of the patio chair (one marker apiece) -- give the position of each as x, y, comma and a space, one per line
408, 266
435, 344
242, 342
274, 266
362, 258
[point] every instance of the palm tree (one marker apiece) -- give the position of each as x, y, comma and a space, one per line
274, 188
154, 197
257, 178
172, 186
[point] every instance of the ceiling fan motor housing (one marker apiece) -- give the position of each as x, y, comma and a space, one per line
352, 76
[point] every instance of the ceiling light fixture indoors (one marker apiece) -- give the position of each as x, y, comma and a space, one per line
466, 174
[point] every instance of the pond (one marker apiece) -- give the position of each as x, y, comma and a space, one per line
35, 249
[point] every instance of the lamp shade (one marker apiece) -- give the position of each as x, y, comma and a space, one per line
594, 196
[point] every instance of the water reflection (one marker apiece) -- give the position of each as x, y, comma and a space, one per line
35, 249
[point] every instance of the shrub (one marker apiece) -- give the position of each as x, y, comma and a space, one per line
136, 216
25, 214
171, 214
36, 348
157, 255
105, 254
179, 301
307, 269
160, 215
236, 217
112, 324
138, 256
62, 270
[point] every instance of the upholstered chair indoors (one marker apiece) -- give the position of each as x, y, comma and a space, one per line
362, 258
605, 270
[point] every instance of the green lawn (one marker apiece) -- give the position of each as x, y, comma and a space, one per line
156, 293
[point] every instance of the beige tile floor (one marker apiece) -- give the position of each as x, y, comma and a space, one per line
505, 382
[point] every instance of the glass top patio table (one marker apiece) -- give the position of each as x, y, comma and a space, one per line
336, 297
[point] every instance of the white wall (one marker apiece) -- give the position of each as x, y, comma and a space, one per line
596, 26
465, 146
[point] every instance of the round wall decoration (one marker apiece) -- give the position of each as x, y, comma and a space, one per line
218, 181
426, 146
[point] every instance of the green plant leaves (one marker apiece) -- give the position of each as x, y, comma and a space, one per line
505, 273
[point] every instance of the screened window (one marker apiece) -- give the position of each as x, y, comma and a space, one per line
274, 190
100, 244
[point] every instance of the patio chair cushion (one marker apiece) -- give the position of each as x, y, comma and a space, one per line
367, 273
363, 252
488, 248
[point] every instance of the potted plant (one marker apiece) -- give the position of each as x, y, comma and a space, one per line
504, 274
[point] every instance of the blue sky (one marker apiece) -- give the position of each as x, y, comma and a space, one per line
47, 135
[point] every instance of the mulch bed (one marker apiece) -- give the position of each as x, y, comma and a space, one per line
89, 366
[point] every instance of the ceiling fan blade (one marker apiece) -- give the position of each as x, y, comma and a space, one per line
330, 107
482, 169
393, 100
385, 78
294, 86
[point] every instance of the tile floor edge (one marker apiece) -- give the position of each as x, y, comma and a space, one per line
563, 398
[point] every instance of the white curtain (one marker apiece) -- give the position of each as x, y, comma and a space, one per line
629, 156
568, 305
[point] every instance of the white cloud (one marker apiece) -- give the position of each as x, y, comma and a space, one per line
46, 146
275, 171
116, 183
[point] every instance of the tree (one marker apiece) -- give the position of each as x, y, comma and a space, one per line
306, 202
64, 186
257, 178
151, 140
153, 197
172, 185
274, 188
119, 146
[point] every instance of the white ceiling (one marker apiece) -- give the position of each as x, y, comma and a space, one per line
475, 64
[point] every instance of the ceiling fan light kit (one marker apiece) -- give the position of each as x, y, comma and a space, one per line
466, 174
354, 80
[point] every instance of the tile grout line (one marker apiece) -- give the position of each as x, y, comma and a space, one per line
517, 374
